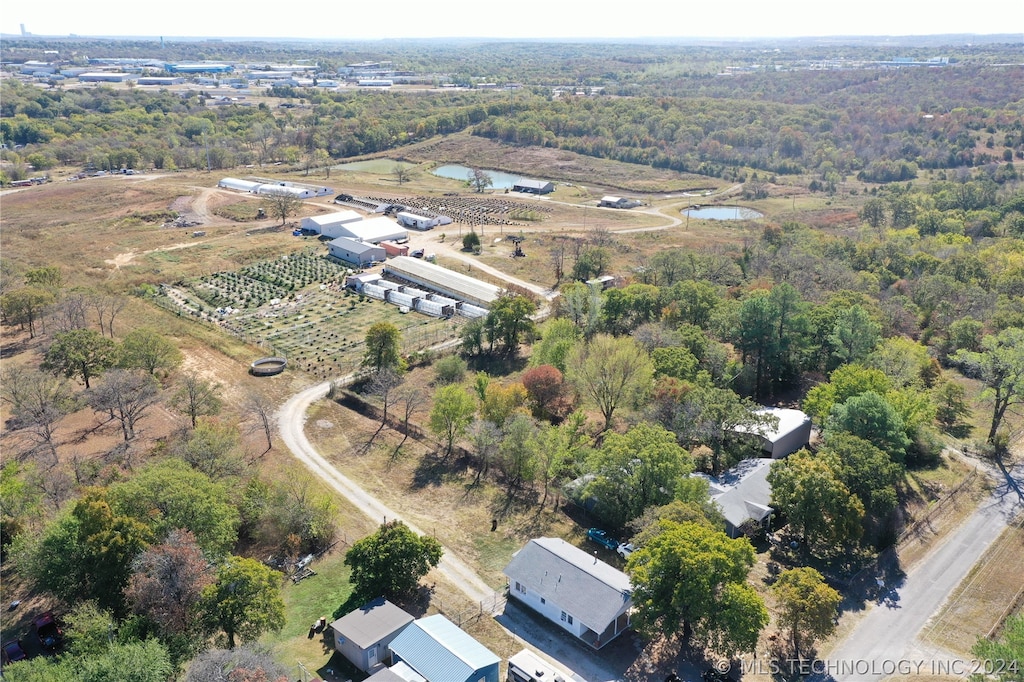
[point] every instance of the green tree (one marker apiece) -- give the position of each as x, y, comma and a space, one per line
1008, 648
674, 361
713, 417
609, 372
854, 334
1000, 366
213, 448
873, 212
509, 320
500, 402
517, 453
689, 579
148, 350
635, 470
807, 605
169, 495
902, 360
81, 353
453, 411
382, 347
580, 304
470, 241
871, 417
844, 383
25, 305
480, 180
559, 337
391, 561
89, 629
868, 472
815, 501
244, 601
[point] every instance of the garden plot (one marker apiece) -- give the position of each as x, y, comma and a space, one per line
264, 281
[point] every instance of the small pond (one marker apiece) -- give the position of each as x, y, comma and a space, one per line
373, 166
499, 180
722, 213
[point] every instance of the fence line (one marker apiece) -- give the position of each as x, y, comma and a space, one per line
487, 607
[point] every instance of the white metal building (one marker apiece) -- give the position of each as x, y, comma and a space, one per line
239, 185
442, 280
329, 224
374, 230
416, 221
792, 433
300, 192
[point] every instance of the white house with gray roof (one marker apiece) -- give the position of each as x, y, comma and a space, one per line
743, 495
573, 589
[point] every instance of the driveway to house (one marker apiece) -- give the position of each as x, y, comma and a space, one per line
292, 420
886, 640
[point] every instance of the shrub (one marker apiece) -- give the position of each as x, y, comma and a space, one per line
450, 370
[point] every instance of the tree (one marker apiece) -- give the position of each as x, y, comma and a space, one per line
470, 241
845, 382
260, 414
213, 449
391, 561
25, 305
544, 384
126, 395
383, 385
402, 173
871, 417
873, 212
241, 664
244, 601
713, 417
281, 204
811, 496
452, 412
382, 347
480, 180
610, 371
170, 495
148, 350
807, 605
1000, 365
80, 353
196, 397
450, 370
89, 630
689, 579
854, 334
868, 472
1008, 647
168, 581
581, 304
517, 452
635, 470
509, 320
38, 402
558, 339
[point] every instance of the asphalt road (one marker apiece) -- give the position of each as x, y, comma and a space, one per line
886, 640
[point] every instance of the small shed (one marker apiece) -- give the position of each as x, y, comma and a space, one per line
533, 186
792, 433
393, 249
441, 652
356, 252
363, 635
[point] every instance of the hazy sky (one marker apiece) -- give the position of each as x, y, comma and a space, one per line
354, 20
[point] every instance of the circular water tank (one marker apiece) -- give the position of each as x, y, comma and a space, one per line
265, 367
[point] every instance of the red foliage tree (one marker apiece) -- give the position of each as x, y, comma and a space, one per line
545, 386
168, 580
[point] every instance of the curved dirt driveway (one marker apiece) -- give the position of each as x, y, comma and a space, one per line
291, 421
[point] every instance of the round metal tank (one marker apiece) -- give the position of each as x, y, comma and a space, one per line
265, 367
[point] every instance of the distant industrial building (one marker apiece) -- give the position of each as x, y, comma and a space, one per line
442, 280
533, 186
104, 77
375, 83
161, 80
199, 68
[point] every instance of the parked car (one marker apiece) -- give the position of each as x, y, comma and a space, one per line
418, 253
13, 651
602, 538
625, 549
48, 631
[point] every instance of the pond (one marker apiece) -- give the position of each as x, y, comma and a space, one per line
499, 180
722, 213
372, 166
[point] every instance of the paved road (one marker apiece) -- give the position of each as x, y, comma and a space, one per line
291, 421
888, 634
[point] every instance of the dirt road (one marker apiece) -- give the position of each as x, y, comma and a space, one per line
291, 421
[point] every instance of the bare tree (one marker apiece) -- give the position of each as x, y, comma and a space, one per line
38, 401
281, 204
383, 385
126, 395
480, 180
401, 173
409, 400
197, 397
69, 312
558, 252
107, 308
167, 583
260, 413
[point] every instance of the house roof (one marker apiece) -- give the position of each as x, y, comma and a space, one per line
371, 622
389, 675
593, 591
336, 218
354, 245
610, 199
441, 652
745, 493
534, 184
789, 421
375, 229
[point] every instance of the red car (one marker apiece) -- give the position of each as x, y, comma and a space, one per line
13, 651
48, 631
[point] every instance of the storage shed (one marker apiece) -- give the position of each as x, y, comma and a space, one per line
355, 252
440, 652
792, 433
372, 230
329, 224
416, 221
442, 280
363, 635
533, 186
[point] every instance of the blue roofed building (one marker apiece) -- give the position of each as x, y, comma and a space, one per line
439, 651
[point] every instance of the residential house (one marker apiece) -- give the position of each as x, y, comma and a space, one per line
363, 635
